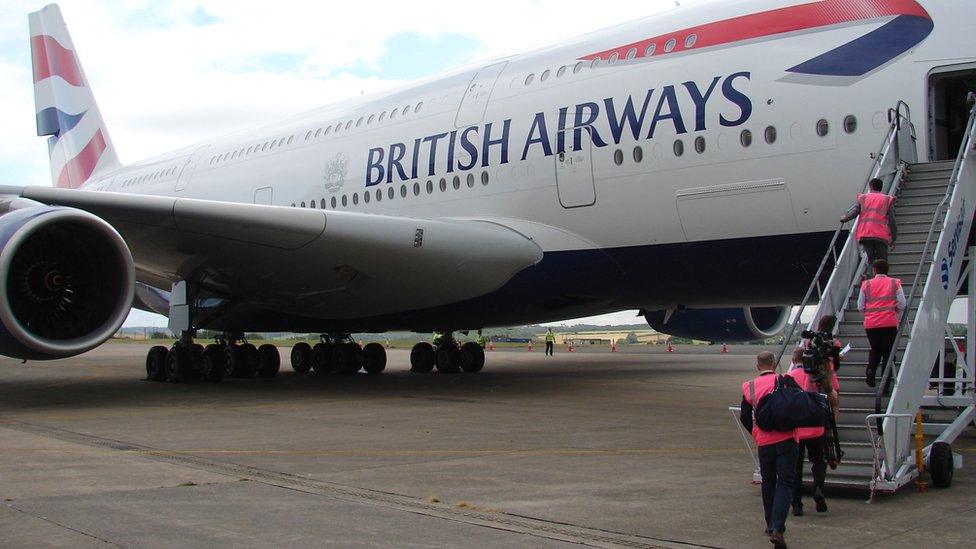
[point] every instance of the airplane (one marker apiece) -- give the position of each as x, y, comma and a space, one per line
692, 165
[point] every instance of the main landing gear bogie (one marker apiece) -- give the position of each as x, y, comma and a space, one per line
338, 353
228, 357
448, 357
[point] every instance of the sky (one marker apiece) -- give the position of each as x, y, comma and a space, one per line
167, 74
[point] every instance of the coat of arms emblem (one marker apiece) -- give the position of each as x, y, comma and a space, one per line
335, 172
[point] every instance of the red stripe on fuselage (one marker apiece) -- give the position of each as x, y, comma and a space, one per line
768, 23
52, 59
80, 168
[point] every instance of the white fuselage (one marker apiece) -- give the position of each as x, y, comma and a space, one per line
809, 153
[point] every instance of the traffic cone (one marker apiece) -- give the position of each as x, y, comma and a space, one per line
613, 345
491, 345
725, 349
670, 347
530, 345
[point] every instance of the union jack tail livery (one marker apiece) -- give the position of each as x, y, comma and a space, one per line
79, 145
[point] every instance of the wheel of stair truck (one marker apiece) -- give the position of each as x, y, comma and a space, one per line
178, 365
941, 464
156, 363
323, 360
448, 358
472, 357
422, 358
375, 358
213, 364
269, 361
348, 358
301, 358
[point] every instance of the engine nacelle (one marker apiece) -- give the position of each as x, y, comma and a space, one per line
66, 282
721, 325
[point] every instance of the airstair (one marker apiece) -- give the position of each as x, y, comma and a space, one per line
934, 213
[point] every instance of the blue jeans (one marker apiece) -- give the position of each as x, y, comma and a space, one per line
777, 466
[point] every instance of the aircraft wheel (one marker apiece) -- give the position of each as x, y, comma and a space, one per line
156, 363
241, 360
422, 357
472, 357
375, 358
348, 358
941, 465
269, 361
323, 357
177, 365
213, 364
448, 359
301, 358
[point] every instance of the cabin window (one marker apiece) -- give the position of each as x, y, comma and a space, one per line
577, 67
359, 122
430, 187
322, 203
650, 50
545, 75
308, 135
355, 199
366, 197
379, 195
850, 123
561, 71
770, 134
529, 78
618, 157
823, 127
631, 53
393, 114
690, 41
390, 193
594, 63
328, 130
333, 202
443, 184
303, 203
484, 178
345, 201
418, 107
403, 191
679, 147
313, 204
382, 116
670, 44
370, 120
416, 189
745, 138
470, 180
613, 58
457, 182
638, 154
700, 144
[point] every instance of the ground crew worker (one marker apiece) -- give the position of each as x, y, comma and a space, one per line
777, 449
810, 441
882, 300
876, 230
481, 339
550, 342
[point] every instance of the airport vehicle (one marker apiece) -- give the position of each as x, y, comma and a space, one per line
691, 164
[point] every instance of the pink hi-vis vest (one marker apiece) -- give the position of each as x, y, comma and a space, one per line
872, 222
753, 391
880, 301
803, 380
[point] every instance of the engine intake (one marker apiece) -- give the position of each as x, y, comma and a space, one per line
721, 325
66, 282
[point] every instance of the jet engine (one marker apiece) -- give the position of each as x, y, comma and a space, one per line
721, 325
66, 282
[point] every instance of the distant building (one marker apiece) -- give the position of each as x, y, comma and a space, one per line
644, 337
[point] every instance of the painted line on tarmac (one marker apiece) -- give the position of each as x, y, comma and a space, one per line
498, 520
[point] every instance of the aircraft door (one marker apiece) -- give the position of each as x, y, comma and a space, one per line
186, 173
574, 170
475, 100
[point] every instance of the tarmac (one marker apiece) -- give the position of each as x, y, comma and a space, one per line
628, 449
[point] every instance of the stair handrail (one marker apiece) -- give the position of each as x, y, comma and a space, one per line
895, 118
887, 374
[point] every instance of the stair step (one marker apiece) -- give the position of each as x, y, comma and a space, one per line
931, 166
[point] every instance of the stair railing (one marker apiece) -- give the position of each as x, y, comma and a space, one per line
889, 365
847, 264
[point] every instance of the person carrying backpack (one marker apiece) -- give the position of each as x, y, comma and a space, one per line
777, 449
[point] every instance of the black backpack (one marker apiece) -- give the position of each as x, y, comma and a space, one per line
788, 407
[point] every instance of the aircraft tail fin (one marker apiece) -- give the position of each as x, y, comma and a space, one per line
79, 145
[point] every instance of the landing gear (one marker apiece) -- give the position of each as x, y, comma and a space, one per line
472, 358
375, 355
301, 358
422, 358
230, 355
269, 361
156, 363
322, 357
448, 356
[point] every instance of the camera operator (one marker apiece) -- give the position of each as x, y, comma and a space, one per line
812, 439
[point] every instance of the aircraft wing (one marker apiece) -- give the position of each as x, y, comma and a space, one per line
323, 264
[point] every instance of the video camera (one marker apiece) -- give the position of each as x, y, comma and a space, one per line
816, 357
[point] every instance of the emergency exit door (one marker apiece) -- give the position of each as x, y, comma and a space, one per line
574, 170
